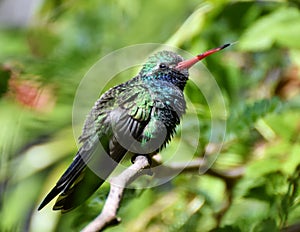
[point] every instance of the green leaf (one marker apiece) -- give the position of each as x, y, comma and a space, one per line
281, 26
266, 226
4, 78
227, 229
243, 120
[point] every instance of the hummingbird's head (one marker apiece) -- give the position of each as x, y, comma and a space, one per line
169, 66
163, 66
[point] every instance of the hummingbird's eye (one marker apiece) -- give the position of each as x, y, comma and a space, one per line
162, 65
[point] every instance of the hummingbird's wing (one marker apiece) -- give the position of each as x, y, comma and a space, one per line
147, 115
79, 181
122, 111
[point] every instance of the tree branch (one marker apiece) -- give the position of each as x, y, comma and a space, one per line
193, 166
108, 216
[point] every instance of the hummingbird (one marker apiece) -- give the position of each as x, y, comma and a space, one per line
139, 116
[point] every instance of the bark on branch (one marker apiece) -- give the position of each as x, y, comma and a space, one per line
108, 216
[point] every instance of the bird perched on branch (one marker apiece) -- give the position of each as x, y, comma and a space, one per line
139, 116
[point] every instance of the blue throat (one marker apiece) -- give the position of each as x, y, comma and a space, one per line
175, 78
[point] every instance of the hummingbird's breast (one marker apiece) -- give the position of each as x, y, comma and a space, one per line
168, 96
169, 106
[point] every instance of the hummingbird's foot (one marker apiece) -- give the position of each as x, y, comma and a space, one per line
147, 156
146, 171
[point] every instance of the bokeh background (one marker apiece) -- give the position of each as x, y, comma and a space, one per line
47, 46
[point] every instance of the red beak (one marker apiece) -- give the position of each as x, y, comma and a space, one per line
186, 64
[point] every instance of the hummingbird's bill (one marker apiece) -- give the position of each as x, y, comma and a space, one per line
186, 64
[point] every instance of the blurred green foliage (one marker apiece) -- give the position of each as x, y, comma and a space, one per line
259, 77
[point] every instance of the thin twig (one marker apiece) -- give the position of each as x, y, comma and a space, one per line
292, 228
193, 166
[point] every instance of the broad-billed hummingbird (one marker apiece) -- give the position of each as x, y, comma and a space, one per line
139, 116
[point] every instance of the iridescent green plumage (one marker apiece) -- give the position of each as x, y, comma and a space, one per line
139, 116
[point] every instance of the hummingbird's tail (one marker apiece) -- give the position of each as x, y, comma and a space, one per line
85, 184
84, 176
76, 184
